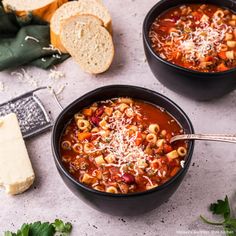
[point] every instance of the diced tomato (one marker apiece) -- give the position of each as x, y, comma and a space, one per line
83, 136
168, 24
139, 139
209, 58
140, 180
173, 163
94, 137
167, 148
114, 171
187, 64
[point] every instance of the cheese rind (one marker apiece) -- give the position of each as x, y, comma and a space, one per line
16, 172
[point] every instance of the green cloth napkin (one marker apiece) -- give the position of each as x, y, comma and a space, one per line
26, 42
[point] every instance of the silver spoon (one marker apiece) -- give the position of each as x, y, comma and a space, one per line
209, 137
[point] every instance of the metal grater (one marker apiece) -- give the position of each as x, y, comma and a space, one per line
32, 116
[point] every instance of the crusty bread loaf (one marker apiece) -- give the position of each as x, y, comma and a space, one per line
44, 9
93, 7
89, 43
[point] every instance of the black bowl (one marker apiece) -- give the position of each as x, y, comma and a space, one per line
120, 204
190, 83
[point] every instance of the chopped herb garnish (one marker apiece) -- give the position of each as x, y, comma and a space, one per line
222, 208
58, 228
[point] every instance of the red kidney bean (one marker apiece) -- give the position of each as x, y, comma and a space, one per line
128, 178
95, 120
99, 111
176, 18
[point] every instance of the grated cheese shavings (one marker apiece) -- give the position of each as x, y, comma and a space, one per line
121, 145
206, 38
31, 38
148, 179
25, 77
2, 87
52, 48
56, 74
182, 163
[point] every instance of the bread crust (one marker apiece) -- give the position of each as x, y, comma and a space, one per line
56, 42
45, 13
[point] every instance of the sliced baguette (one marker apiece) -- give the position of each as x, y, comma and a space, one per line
44, 9
67, 10
88, 42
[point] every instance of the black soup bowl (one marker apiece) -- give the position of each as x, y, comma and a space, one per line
121, 204
193, 84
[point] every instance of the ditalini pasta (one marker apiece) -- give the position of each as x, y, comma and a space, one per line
122, 146
197, 37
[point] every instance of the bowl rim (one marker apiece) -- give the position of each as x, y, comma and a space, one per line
56, 155
156, 56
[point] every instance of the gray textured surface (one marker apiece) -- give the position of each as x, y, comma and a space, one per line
211, 175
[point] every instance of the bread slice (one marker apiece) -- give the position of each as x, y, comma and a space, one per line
44, 9
89, 43
92, 7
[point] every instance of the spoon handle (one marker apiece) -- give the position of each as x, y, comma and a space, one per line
209, 137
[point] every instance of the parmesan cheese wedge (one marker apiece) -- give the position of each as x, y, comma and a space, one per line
72, 8
16, 172
44, 9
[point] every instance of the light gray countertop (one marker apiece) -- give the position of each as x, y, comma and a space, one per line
211, 176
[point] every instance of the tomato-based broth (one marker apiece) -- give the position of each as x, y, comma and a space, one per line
200, 37
122, 146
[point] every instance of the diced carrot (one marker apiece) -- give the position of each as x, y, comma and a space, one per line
87, 112
222, 55
222, 67
139, 139
83, 136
